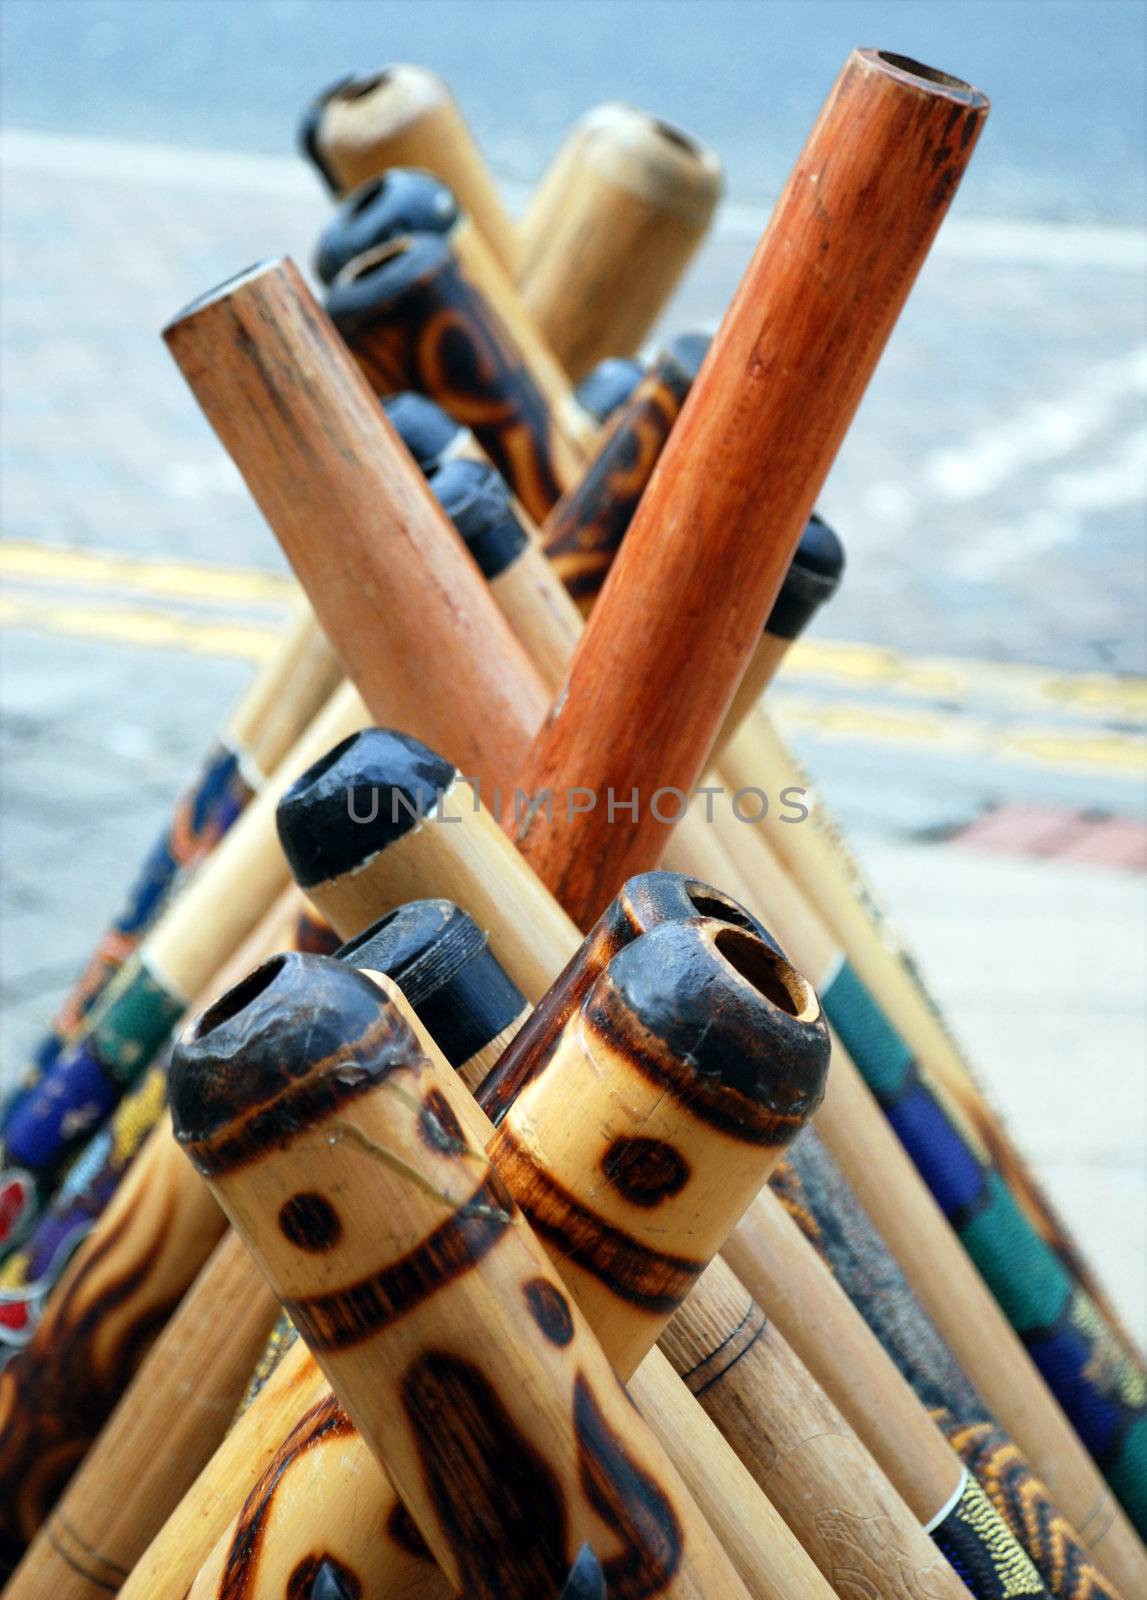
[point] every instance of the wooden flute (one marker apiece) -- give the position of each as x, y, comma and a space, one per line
353, 1165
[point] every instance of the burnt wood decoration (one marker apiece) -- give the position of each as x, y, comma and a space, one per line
404, 116
743, 467
583, 532
404, 202
433, 1258
415, 322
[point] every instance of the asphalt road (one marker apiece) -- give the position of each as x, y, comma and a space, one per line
1067, 77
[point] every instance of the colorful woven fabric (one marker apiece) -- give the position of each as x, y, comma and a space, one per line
1100, 1384
816, 1194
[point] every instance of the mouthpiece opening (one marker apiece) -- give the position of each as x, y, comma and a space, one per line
678, 137
917, 69
236, 999
373, 261
359, 88
769, 973
707, 905
374, 284
363, 196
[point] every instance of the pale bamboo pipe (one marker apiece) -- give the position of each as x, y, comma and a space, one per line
610, 230
414, 321
742, 468
438, 1394
404, 116
404, 201
289, 405
157, 1231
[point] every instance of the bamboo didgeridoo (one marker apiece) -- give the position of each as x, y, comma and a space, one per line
110, 1510
608, 385
584, 530
157, 1231
219, 906
742, 468
379, 1220
404, 116
296, 416
414, 321
351, 870
813, 1191
403, 202
286, 693
611, 229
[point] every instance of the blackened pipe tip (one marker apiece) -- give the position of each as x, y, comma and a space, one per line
283, 1047
685, 355
442, 962
608, 385
310, 125
475, 498
650, 898
374, 284
814, 576
356, 800
735, 1031
401, 201
424, 428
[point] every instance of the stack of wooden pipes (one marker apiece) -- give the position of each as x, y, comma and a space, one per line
501, 1148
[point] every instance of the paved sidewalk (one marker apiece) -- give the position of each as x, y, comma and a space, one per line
991, 499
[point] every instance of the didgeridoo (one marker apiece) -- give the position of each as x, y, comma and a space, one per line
608, 385
610, 230
157, 1231
621, 1312
373, 1211
742, 468
405, 202
353, 871
584, 530
286, 693
813, 1191
114, 1506
404, 116
414, 321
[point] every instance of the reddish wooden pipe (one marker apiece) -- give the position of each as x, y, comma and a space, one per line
711, 542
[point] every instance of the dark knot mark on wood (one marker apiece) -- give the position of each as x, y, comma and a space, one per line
310, 1222
439, 1126
550, 1310
645, 1171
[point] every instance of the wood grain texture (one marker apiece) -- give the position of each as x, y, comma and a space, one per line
405, 116
329, 475
414, 321
799, 1447
403, 1316
735, 487
609, 231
